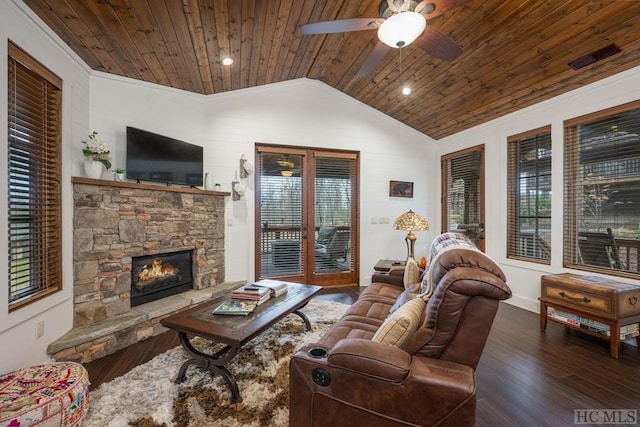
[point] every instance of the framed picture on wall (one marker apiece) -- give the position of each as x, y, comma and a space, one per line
400, 189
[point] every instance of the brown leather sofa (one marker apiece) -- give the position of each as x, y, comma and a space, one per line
346, 379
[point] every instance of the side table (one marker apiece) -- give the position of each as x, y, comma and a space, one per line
598, 306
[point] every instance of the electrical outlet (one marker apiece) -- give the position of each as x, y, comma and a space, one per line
383, 220
230, 222
39, 329
374, 220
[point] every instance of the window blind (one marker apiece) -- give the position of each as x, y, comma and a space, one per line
333, 184
34, 206
281, 210
602, 191
529, 195
462, 189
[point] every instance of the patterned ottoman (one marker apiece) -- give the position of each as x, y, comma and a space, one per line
53, 394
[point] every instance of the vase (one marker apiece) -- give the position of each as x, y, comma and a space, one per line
93, 169
208, 181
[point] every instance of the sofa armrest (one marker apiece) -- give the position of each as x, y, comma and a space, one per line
379, 360
388, 278
357, 381
397, 270
395, 276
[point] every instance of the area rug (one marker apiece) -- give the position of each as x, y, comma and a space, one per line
148, 395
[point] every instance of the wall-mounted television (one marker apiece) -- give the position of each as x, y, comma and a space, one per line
157, 158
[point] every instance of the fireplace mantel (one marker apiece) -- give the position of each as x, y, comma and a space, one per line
158, 187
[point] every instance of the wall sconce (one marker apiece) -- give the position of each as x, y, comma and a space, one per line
237, 190
246, 168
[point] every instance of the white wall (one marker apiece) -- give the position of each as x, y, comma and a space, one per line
18, 344
524, 277
299, 113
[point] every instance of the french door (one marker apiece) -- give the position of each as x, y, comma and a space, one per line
463, 194
306, 215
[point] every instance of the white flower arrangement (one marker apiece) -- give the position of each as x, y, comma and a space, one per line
97, 150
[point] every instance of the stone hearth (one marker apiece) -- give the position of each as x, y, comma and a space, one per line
115, 221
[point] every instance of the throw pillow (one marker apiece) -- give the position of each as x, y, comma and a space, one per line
411, 273
400, 326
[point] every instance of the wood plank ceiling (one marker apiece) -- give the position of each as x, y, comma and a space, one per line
515, 51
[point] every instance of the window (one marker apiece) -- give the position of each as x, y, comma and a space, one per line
602, 191
463, 193
34, 210
529, 196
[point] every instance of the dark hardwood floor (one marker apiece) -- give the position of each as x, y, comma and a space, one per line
525, 377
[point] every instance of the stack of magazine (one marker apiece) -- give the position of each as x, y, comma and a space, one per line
246, 298
252, 293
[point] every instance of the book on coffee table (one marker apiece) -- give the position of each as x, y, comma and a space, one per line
236, 307
277, 288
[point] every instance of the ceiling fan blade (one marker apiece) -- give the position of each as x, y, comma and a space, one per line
373, 60
433, 8
438, 44
342, 26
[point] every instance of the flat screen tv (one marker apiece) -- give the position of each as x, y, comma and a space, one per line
153, 157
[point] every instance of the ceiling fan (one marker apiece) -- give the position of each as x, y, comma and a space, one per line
401, 23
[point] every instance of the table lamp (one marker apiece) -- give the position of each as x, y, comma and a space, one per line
411, 221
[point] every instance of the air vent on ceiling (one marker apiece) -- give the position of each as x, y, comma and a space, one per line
594, 56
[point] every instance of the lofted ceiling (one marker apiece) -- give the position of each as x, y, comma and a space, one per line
516, 52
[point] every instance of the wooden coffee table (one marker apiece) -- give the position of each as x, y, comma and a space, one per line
233, 331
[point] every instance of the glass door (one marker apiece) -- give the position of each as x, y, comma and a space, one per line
306, 215
281, 189
334, 218
463, 194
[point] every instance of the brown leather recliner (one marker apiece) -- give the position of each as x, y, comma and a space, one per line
359, 382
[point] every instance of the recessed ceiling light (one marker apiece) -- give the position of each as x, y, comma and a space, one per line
406, 90
227, 61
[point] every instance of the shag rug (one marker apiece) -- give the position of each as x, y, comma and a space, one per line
148, 396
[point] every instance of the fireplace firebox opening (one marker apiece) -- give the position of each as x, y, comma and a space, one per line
154, 277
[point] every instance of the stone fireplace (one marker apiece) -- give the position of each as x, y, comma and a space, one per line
116, 223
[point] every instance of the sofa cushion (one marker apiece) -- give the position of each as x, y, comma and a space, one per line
405, 296
400, 326
411, 273
351, 327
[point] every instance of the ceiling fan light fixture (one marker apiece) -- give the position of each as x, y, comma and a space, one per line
401, 29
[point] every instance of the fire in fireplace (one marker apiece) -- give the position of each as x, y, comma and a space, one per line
158, 276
